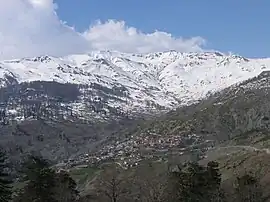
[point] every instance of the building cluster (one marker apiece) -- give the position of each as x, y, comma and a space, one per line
129, 152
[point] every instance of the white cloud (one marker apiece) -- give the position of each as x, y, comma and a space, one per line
117, 35
31, 27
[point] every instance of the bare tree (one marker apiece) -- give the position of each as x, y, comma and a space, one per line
111, 184
151, 190
151, 186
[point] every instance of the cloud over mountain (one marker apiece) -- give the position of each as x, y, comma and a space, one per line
32, 27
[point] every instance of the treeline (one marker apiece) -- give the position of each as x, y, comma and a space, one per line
190, 182
38, 182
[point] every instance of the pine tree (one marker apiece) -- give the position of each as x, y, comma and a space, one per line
5, 183
43, 184
40, 180
65, 187
248, 189
195, 183
215, 192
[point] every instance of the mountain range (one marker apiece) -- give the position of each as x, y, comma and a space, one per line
107, 81
88, 109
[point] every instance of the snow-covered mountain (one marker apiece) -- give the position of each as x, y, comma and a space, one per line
162, 80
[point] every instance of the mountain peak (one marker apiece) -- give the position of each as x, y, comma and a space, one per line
166, 79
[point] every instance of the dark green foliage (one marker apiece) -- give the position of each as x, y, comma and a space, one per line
215, 193
40, 181
190, 182
195, 183
248, 189
45, 184
33, 166
5, 183
65, 188
63, 92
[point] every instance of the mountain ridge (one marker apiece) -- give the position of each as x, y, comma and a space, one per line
52, 112
168, 79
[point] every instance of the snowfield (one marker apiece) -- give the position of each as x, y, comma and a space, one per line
168, 79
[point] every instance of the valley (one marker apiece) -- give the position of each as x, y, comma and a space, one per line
83, 112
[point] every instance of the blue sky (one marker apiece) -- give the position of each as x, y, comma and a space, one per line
239, 26
30, 28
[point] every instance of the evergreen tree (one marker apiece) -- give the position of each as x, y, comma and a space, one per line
215, 192
65, 188
5, 183
195, 183
32, 166
43, 184
40, 181
248, 189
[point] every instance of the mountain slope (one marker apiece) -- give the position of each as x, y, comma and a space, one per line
225, 115
134, 82
238, 115
55, 93
220, 110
